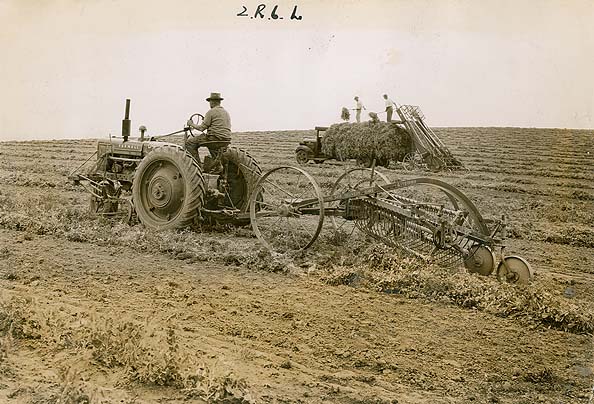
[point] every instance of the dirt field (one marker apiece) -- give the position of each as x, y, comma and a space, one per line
93, 310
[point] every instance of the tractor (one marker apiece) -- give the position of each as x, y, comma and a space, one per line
163, 185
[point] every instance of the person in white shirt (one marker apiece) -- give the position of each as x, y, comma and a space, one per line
358, 107
390, 107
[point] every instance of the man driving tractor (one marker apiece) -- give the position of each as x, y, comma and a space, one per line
217, 122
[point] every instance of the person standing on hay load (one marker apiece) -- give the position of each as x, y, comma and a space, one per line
217, 123
390, 107
358, 107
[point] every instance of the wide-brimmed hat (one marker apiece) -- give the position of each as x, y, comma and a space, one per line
215, 97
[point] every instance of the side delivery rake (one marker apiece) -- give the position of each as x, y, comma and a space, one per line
425, 217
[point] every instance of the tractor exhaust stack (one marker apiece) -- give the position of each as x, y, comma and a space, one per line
126, 122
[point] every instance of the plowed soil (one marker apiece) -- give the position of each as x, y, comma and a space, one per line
70, 282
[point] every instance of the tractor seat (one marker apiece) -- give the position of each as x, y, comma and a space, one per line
216, 144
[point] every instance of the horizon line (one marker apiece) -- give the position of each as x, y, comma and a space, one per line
65, 137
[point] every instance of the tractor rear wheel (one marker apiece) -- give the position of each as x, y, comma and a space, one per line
168, 189
243, 172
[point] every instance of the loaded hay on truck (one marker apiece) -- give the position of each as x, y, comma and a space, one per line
367, 140
409, 141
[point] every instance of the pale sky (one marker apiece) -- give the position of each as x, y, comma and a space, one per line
68, 65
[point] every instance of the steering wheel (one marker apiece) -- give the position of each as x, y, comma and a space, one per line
199, 117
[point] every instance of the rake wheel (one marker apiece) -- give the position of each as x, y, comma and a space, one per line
353, 179
287, 209
514, 269
480, 259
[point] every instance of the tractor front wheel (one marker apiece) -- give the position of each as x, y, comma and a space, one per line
168, 189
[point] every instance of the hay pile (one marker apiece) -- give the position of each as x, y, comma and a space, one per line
374, 117
345, 115
367, 140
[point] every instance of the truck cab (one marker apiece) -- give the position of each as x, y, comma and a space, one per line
311, 148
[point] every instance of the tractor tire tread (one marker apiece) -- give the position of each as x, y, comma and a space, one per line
250, 170
195, 185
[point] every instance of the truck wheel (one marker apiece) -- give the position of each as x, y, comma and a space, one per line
434, 163
366, 162
301, 156
384, 162
168, 188
243, 172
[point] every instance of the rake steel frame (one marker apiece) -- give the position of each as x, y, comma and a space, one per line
446, 235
